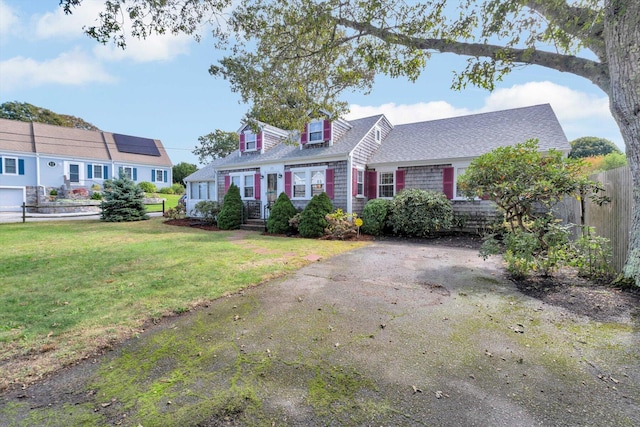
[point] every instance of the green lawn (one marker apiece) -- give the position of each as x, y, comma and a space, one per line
70, 287
172, 201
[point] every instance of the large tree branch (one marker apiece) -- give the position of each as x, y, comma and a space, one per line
580, 22
596, 72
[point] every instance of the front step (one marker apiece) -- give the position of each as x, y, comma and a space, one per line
254, 225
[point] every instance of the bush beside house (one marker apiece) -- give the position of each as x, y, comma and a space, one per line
312, 221
230, 216
281, 212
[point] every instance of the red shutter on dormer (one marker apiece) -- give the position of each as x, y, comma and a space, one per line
329, 183
256, 185
287, 183
303, 137
242, 142
227, 183
399, 180
371, 183
354, 182
447, 182
259, 141
326, 130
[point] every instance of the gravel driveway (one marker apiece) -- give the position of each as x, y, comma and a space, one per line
395, 333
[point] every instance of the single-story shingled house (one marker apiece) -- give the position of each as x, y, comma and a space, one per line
354, 161
36, 158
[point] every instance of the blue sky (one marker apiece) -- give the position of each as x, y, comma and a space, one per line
160, 88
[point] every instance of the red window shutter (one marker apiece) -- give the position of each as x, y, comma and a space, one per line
447, 182
256, 186
287, 183
259, 141
326, 130
399, 180
354, 182
227, 183
329, 183
242, 142
371, 184
303, 137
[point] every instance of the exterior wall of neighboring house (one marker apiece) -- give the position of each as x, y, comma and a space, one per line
36, 158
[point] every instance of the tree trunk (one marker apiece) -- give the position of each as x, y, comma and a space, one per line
622, 38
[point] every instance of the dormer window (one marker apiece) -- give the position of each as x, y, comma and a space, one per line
315, 131
378, 134
250, 141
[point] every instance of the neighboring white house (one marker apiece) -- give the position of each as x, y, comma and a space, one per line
358, 160
36, 158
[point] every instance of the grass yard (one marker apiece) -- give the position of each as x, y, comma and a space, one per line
172, 201
71, 288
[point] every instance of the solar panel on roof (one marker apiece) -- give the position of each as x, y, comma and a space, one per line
136, 145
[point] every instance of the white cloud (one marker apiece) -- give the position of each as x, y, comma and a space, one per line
58, 25
69, 68
8, 18
153, 48
579, 113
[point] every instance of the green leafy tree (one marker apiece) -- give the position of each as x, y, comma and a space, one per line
26, 112
122, 200
215, 145
230, 216
313, 219
281, 212
591, 146
613, 161
183, 170
279, 41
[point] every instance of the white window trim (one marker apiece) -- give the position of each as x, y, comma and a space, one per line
124, 169
307, 180
456, 169
255, 141
81, 172
377, 134
378, 176
317, 141
95, 167
241, 187
360, 170
210, 188
4, 166
163, 172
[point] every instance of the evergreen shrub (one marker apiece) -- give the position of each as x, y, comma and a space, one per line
122, 200
230, 216
281, 212
313, 221
420, 213
374, 216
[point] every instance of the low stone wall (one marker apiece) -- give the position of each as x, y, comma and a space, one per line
67, 206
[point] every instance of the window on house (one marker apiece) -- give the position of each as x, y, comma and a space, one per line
10, 166
235, 180
249, 141
459, 172
74, 173
126, 172
299, 184
360, 183
378, 135
317, 182
248, 186
385, 184
97, 171
204, 190
159, 175
315, 131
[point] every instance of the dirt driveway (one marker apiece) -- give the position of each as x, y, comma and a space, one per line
392, 334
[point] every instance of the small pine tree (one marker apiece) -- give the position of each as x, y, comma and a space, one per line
313, 221
281, 212
230, 216
122, 200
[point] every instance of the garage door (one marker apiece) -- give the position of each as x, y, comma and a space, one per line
11, 199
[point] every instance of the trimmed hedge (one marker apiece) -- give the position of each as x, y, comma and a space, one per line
281, 212
420, 213
313, 221
374, 216
230, 216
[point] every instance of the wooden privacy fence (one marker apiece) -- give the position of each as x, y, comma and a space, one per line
611, 220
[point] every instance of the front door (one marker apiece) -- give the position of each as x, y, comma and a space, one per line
272, 191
